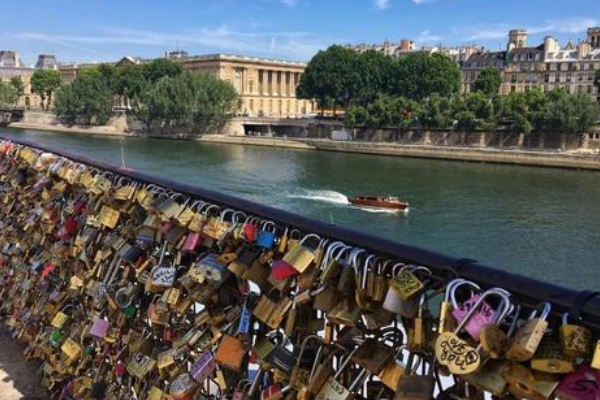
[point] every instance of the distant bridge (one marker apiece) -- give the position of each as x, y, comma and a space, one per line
285, 126
8, 115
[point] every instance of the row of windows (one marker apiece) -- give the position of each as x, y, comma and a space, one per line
297, 107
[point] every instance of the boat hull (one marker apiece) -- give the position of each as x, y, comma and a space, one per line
400, 206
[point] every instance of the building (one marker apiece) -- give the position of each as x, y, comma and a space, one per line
11, 67
267, 87
459, 54
10, 59
476, 63
46, 61
547, 66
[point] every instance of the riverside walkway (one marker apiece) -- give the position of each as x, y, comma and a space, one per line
19, 379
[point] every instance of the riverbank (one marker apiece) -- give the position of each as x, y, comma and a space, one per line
489, 155
101, 131
537, 158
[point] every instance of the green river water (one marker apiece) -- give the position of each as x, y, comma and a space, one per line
534, 221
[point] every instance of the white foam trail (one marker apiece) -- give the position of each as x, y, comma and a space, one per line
327, 196
381, 210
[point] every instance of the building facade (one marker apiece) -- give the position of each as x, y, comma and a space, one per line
11, 67
547, 66
266, 87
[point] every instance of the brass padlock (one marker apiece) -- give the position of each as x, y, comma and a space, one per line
576, 340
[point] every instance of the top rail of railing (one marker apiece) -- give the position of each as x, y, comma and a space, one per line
527, 290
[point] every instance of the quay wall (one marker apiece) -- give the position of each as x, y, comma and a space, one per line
433, 145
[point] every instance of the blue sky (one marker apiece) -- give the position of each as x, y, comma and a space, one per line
102, 30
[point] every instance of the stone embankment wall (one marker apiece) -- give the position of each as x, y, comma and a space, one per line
43, 120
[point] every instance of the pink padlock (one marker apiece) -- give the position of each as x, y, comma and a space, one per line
583, 384
484, 315
100, 328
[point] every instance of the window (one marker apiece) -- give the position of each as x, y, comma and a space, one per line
251, 86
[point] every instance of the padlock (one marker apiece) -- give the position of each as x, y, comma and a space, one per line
334, 390
454, 352
447, 322
416, 387
527, 384
576, 340
266, 236
550, 358
300, 375
528, 337
583, 384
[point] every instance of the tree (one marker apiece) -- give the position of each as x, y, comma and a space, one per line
373, 71
161, 68
17, 83
130, 83
488, 82
384, 112
466, 121
8, 95
418, 76
597, 80
571, 114
88, 100
189, 102
330, 78
44, 83
436, 112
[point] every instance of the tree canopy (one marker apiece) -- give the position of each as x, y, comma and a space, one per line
87, 100
488, 82
189, 102
44, 83
330, 78
418, 76
8, 95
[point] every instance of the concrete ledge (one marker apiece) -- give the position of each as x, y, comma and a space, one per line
268, 142
102, 130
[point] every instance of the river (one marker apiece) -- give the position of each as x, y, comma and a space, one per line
539, 222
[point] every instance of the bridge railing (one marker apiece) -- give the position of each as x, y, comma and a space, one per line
527, 290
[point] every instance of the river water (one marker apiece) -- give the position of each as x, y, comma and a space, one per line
534, 221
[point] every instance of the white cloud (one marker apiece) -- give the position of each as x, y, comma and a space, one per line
382, 4
427, 37
288, 44
573, 25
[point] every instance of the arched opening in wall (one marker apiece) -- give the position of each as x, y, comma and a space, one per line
27, 103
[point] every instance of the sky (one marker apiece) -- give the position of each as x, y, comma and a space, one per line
107, 30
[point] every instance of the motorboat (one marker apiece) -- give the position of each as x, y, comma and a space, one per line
387, 202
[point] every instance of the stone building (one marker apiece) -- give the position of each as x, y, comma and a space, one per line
11, 67
547, 66
266, 87
476, 63
459, 54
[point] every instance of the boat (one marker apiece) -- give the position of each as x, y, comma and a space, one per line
388, 202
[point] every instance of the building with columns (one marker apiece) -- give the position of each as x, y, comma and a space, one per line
267, 87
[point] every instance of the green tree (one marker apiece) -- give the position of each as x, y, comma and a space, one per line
330, 78
189, 102
17, 83
466, 121
44, 83
488, 82
384, 112
373, 72
88, 100
131, 83
436, 112
8, 95
161, 68
418, 76
571, 114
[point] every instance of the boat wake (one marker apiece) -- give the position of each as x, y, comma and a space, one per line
381, 210
326, 196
